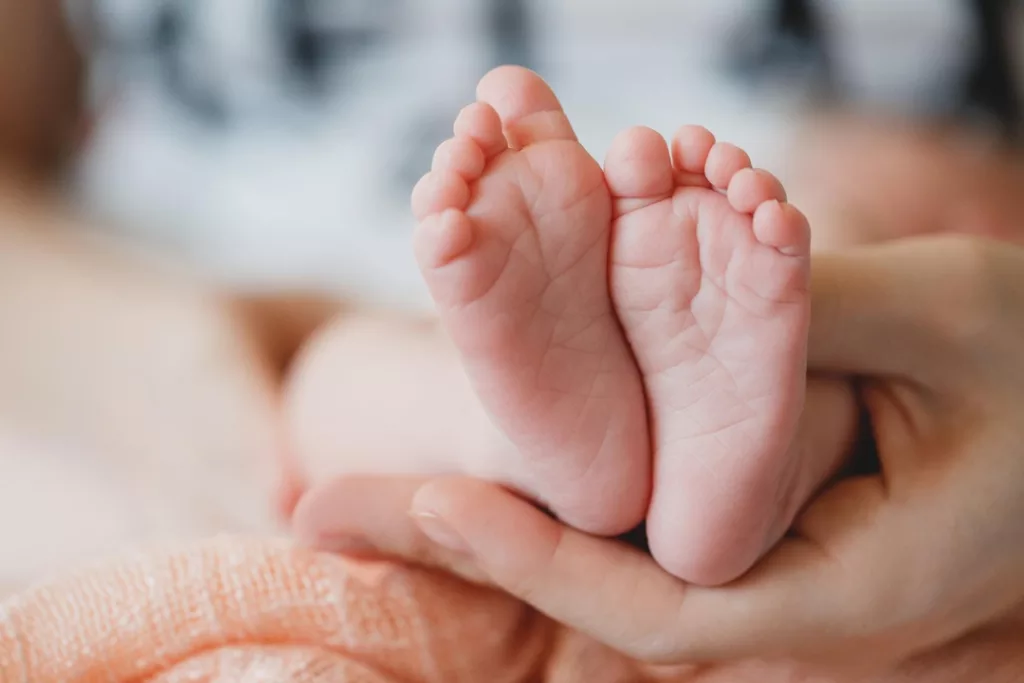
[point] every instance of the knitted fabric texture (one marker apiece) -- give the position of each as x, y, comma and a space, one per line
253, 611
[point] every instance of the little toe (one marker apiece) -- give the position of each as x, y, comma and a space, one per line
461, 155
751, 187
724, 161
437, 191
529, 110
482, 124
690, 148
782, 226
442, 237
638, 170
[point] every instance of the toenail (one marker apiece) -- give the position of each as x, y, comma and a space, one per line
438, 531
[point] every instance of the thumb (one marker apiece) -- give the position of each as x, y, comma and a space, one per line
793, 603
897, 308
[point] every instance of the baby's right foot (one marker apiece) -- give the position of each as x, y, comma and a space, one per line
513, 243
709, 275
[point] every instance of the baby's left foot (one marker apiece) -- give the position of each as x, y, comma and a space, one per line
709, 276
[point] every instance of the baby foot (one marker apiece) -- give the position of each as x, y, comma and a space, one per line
513, 243
709, 278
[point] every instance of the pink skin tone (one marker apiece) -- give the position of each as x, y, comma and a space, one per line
680, 274
513, 243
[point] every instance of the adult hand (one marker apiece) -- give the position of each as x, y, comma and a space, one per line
849, 174
880, 568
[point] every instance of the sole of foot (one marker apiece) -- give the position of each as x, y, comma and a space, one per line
513, 240
710, 276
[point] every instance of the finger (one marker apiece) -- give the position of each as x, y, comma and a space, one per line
369, 517
792, 603
898, 308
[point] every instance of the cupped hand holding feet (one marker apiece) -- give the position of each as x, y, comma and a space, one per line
879, 568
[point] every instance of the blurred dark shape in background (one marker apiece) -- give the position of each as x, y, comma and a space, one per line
992, 87
41, 86
313, 39
316, 41
510, 26
294, 129
798, 39
794, 40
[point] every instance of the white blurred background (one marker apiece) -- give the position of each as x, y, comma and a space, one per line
212, 142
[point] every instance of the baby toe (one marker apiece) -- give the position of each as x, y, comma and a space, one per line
461, 155
638, 169
751, 187
437, 191
480, 122
442, 237
723, 162
782, 226
690, 148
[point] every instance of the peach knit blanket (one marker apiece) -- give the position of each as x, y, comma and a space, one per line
244, 610
233, 610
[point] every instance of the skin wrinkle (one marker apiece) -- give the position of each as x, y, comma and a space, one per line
605, 435
600, 241
523, 188
790, 480
702, 462
693, 398
680, 324
490, 287
699, 320
735, 386
754, 296
701, 352
693, 380
768, 303
551, 345
523, 587
729, 299
574, 429
590, 462
569, 271
544, 115
583, 410
633, 266
705, 431
642, 204
539, 176
566, 344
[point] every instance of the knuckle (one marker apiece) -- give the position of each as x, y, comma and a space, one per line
530, 582
897, 598
973, 291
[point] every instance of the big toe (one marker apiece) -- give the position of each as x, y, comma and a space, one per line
638, 169
529, 110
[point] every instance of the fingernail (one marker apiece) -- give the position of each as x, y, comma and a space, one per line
438, 531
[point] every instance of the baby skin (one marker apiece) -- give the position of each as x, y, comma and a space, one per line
639, 334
